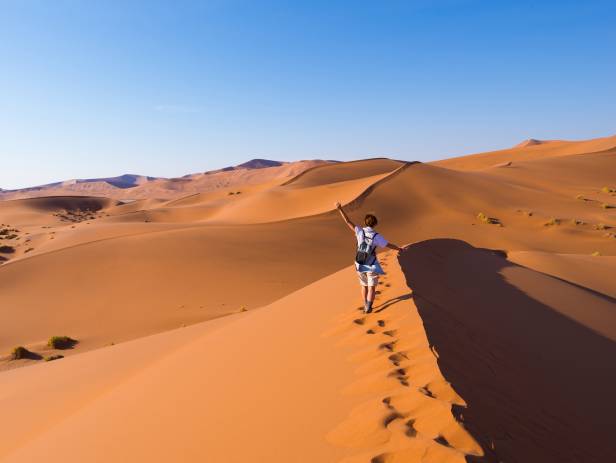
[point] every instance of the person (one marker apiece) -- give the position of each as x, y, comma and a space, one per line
366, 262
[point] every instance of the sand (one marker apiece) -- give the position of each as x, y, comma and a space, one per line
221, 323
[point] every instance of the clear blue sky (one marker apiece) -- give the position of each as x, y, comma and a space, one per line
101, 88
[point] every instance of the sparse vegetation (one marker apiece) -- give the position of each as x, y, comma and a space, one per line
49, 358
28, 250
230, 193
488, 220
20, 352
580, 197
600, 226
243, 309
577, 222
61, 342
553, 221
607, 206
7, 249
607, 189
596, 253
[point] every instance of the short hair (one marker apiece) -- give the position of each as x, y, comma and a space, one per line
370, 220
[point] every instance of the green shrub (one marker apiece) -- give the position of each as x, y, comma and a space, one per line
20, 352
61, 342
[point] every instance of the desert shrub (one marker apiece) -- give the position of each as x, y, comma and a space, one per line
230, 193
577, 222
606, 206
28, 250
61, 342
49, 358
551, 222
238, 192
7, 249
20, 352
596, 254
607, 189
579, 197
489, 220
600, 226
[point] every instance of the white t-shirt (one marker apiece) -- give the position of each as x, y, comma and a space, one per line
378, 240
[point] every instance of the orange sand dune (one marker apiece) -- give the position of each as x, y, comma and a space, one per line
151, 187
308, 378
174, 261
309, 384
596, 273
527, 151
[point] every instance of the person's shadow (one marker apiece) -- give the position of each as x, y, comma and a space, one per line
540, 385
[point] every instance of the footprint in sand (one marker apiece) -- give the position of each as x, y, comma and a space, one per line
397, 358
381, 323
400, 375
388, 346
410, 429
390, 333
427, 392
359, 321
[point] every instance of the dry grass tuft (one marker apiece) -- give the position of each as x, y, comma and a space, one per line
61, 342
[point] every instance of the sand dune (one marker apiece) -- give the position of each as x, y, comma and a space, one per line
527, 151
302, 376
531, 355
225, 380
592, 272
141, 187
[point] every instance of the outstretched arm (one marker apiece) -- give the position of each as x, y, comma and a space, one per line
395, 247
345, 217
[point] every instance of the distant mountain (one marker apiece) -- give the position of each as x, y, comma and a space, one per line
132, 186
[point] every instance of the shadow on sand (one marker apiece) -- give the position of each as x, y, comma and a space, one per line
539, 385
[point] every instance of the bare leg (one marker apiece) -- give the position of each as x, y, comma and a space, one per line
370, 293
364, 293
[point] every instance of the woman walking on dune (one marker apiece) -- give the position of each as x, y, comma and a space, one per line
366, 261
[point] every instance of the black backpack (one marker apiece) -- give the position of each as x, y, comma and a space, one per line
366, 250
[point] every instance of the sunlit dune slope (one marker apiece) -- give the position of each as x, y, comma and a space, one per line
140, 187
294, 381
128, 275
527, 152
595, 273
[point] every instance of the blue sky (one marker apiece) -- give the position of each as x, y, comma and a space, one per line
101, 88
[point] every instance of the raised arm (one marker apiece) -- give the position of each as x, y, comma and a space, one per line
345, 217
395, 247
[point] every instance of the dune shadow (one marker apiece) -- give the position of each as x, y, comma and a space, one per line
538, 384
